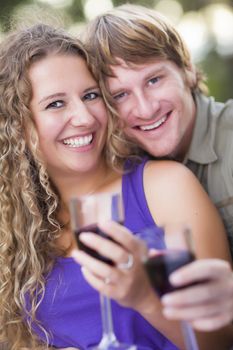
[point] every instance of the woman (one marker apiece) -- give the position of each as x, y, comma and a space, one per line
53, 145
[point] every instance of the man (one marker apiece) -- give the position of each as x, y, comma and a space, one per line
158, 95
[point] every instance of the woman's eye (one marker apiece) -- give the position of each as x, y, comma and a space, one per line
55, 104
153, 81
91, 96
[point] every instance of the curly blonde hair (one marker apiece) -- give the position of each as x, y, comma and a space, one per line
29, 202
136, 35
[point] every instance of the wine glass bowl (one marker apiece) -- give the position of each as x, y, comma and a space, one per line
160, 266
178, 251
86, 212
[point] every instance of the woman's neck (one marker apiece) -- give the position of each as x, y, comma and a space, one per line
101, 179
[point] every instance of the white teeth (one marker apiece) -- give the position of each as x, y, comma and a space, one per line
78, 141
154, 125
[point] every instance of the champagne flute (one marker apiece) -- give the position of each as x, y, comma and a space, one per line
86, 212
178, 252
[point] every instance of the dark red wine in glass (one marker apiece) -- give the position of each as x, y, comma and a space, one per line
160, 266
94, 229
86, 212
179, 252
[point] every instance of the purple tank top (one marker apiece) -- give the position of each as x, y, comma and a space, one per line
70, 309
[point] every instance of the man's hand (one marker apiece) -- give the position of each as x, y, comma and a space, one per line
207, 305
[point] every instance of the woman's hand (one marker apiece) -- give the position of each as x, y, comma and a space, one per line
207, 306
126, 281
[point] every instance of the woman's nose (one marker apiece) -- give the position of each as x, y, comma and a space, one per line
80, 115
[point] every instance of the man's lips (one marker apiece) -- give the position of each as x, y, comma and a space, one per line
155, 124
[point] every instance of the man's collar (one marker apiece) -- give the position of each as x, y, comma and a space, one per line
201, 149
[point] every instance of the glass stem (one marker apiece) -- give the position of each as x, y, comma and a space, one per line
106, 315
189, 336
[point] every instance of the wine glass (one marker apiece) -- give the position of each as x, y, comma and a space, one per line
86, 212
176, 252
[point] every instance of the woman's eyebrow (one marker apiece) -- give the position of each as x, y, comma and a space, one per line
49, 97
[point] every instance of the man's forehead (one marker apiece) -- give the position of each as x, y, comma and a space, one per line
123, 66
120, 62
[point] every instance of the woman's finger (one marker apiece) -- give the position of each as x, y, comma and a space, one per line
105, 247
120, 234
97, 267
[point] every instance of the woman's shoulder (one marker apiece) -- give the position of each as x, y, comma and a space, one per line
163, 169
171, 188
169, 178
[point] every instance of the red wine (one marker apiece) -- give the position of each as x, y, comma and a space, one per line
93, 228
159, 268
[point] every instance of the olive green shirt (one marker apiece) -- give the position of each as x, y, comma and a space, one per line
210, 156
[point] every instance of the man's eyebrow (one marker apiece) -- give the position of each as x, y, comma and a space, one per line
49, 97
116, 91
155, 71
148, 75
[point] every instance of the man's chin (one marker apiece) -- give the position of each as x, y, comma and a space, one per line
162, 154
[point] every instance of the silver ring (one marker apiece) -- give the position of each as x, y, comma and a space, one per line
128, 265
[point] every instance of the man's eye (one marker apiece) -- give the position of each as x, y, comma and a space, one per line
119, 96
91, 96
55, 104
153, 81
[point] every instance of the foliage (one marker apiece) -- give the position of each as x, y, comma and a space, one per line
7, 8
219, 70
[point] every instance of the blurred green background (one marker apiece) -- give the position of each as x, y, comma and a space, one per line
206, 26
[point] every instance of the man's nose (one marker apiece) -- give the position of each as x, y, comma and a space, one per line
144, 106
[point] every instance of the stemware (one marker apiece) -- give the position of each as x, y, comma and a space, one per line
86, 212
177, 251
